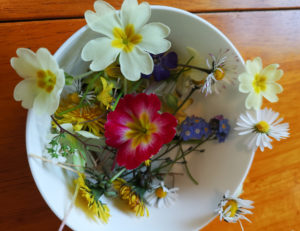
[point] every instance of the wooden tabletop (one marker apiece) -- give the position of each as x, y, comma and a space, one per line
269, 29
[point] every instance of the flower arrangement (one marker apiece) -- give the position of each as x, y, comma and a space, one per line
121, 126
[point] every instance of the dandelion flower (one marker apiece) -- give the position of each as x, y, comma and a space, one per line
160, 196
96, 206
259, 82
133, 199
260, 126
127, 36
233, 208
43, 80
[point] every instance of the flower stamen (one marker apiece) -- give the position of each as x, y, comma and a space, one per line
262, 127
46, 80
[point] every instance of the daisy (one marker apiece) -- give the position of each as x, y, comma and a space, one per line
232, 208
160, 196
127, 37
259, 82
43, 80
260, 126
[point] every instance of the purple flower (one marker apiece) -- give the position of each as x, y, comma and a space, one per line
162, 64
220, 127
194, 128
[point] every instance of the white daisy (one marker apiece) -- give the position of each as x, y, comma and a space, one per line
259, 82
43, 80
127, 36
259, 126
160, 196
232, 208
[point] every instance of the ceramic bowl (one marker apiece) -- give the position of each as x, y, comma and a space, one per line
221, 167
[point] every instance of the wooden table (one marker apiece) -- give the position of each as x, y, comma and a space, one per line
269, 29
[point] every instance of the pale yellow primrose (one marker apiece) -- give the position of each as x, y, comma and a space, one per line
259, 82
43, 80
127, 36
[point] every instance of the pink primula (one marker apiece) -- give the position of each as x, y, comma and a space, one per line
137, 130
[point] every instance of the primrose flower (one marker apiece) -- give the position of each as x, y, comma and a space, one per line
259, 82
137, 130
96, 206
161, 196
127, 36
162, 65
259, 126
232, 208
43, 80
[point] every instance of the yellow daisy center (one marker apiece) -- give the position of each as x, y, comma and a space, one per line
259, 83
126, 39
219, 74
46, 80
262, 127
160, 193
233, 207
140, 130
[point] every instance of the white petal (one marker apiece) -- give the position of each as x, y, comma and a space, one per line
46, 60
153, 38
254, 101
104, 20
87, 134
100, 52
245, 82
271, 91
45, 103
132, 13
26, 90
254, 67
26, 65
134, 63
272, 73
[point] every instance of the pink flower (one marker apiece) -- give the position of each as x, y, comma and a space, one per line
137, 129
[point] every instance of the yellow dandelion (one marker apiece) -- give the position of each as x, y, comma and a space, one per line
134, 201
105, 95
96, 206
87, 118
113, 70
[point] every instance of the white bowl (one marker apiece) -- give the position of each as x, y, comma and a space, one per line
221, 167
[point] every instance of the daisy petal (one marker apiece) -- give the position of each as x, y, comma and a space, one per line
134, 63
98, 46
153, 38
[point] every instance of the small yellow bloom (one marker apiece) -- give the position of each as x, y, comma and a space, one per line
134, 201
259, 83
147, 162
113, 70
105, 95
96, 206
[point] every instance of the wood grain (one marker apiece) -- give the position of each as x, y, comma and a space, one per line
40, 9
273, 182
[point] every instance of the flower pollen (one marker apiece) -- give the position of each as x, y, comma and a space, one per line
160, 193
46, 80
259, 83
219, 74
262, 127
125, 39
233, 207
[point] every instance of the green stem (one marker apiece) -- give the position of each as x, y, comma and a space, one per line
168, 150
208, 71
125, 86
187, 168
186, 99
182, 69
117, 175
83, 75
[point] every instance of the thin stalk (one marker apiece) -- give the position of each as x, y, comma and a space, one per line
186, 99
83, 75
208, 71
187, 168
117, 175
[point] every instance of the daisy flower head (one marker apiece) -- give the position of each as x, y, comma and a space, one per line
260, 126
126, 37
160, 196
43, 80
137, 130
259, 82
232, 208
